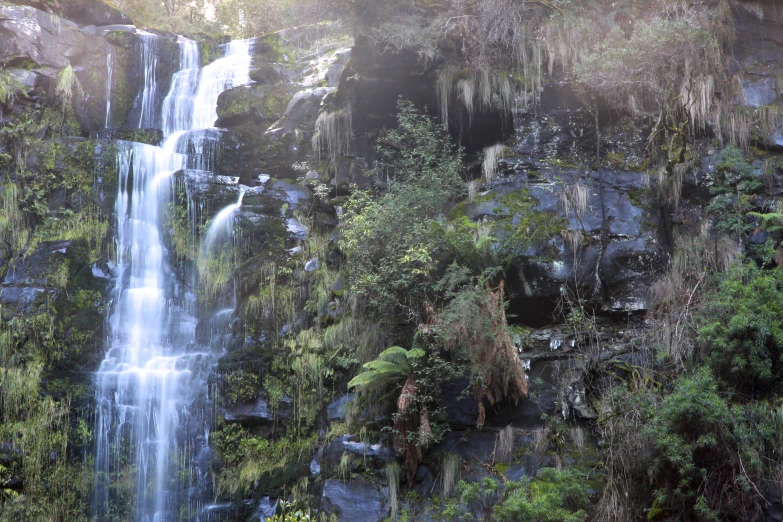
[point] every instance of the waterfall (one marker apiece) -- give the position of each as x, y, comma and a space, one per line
149, 63
109, 69
154, 370
222, 224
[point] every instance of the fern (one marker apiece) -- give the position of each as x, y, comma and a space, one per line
393, 365
68, 85
769, 221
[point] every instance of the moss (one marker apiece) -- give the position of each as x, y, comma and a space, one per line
123, 39
565, 164
637, 196
501, 467
517, 212
122, 94
457, 211
615, 160
656, 511
147, 136
266, 101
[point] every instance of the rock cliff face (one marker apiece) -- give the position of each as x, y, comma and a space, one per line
594, 231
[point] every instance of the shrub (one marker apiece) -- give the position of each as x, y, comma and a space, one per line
553, 496
735, 182
699, 445
242, 386
740, 328
473, 325
393, 246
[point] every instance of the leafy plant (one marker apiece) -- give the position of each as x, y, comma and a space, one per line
394, 247
552, 496
393, 366
735, 182
740, 329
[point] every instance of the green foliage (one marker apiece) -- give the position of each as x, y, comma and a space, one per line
251, 461
68, 85
289, 514
38, 431
740, 328
392, 366
690, 420
242, 386
519, 224
552, 496
393, 245
10, 88
706, 451
769, 221
735, 183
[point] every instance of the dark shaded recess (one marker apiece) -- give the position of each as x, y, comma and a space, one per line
377, 77
532, 312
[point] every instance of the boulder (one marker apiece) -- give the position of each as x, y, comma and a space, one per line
30, 38
253, 106
276, 132
377, 454
357, 501
94, 12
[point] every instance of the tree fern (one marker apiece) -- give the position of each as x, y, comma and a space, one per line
393, 365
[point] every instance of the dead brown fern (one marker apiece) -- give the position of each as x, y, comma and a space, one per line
476, 324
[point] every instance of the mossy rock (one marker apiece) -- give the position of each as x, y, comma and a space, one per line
259, 105
148, 136
125, 39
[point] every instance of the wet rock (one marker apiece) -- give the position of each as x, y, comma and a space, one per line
28, 36
615, 276
312, 265
256, 413
282, 139
356, 501
376, 454
249, 414
253, 108
267, 74
30, 279
335, 411
266, 509
165, 50
37, 269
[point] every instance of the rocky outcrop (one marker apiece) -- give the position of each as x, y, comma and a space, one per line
758, 50
107, 61
554, 245
83, 12
272, 122
94, 12
356, 501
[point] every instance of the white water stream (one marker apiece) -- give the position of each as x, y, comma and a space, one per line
153, 370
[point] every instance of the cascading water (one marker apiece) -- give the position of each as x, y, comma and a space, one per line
149, 62
153, 371
222, 224
109, 69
